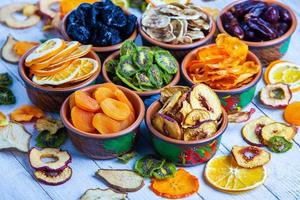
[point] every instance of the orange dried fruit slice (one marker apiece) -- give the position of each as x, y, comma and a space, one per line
115, 109
88, 67
26, 113
102, 93
61, 77
82, 119
71, 46
110, 86
122, 97
21, 47
50, 71
291, 113
127, 122
85, 102
72, 101
105, 125
45, 51
223, 173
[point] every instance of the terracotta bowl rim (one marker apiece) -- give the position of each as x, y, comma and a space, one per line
97, 48
236, 90
180, 46
133, 126
146, 93
153, 131
264, 43
76, 86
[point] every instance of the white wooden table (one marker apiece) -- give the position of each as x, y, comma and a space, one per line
16, 178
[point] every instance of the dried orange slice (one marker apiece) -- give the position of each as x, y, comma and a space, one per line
88, 67
71, 46
58, 78
50, 71
45, 51
223, 173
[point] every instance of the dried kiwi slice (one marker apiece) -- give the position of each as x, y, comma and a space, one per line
279, 144
128, 48
46, 139
5, 79
126, 67
167, 78
166, 61
143, 79
147, 165
6, 96
111, 66
143, 58
155, 75
128, 82
166, 171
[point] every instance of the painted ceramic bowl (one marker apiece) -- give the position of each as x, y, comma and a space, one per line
233, 99
271, 50
116, 55
105, 51
107, 146
178, 50
50, 98
184, 153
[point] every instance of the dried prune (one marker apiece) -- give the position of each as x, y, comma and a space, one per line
262, 26
72, 18
257, 9
79, 33
272, 14
114, 16
127, 30
83, 10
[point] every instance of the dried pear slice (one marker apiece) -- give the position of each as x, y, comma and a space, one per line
7, 13
250, 156
55, 177
121, 179
178, 28
196, 116
195, 35
160, 34
277, 129
205, 130
155, 21
7, 52
103, 194
169, 10
166, 61
169, 91
143, 58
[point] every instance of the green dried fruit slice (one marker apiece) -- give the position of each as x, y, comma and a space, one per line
155, 76
147, 165
46, 139
143, 58
166, 171
167, 78
125, 158
279, 144
6, 96
128, 48
111, 66
143, 79
128, 82
166, 61
126, 67
5, 79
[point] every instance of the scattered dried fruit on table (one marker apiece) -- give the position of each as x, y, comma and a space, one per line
142, 68
121, 179
26, 113
257, 21
5, 79
6, 96
15, 136
291, 114
276, 95
7, 52
100, 24
125, 158
240, 116
3, 119
232, 177
183, 184
55, 177
279, 144
277, 129
8, 12
105, 194
251, 132
29, 10
52, 140
250, 156
46, 7
223, 66
188, 114
286, 72
21, 47
48, 124
176, 23
167, 170
59, 159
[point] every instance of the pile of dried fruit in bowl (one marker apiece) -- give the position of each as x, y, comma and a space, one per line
257, 21
100, 24
57, 62
188, 114
223, 66
142, 68
106, 110
176, 23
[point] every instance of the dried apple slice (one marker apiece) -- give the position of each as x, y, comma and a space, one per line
204, 130
107, 194
277, 129
240, 116
250, 156
196, 116
171, 103
45, 7
53, 178
14, 135
276, 95
169, 91
121, 179
171, 128
7, 52
60, 159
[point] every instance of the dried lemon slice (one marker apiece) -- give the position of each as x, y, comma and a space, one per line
45, 51
88, 67
223, 173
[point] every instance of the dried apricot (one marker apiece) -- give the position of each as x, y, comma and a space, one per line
85, 102
72, 101
102, 93
82, 119
291, 113
115, 109
110, 86
105, 124
26, 113
122, 97
127, 122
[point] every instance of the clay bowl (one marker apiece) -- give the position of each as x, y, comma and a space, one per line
50, 98
116, 55
106, 50
234, 99
184, 153
107, 146
267, 51
178, 50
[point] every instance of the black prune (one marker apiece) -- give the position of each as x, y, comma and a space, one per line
115, 36
114, 16
79, 33
232, 25
127, 30
249, 33
102, 4
241, 9
284, 14
258, 9
72, 18
83, 11
282, 28
271, 14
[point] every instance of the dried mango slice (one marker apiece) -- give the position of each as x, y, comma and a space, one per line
26, 113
